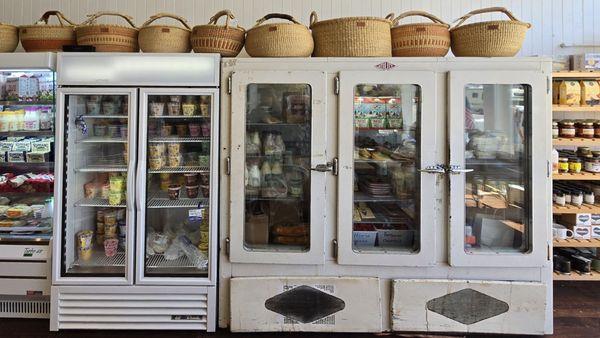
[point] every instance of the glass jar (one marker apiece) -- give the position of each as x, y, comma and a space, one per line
588, 197
559, 198
568, 196
597, 128
583, 151
563, 165
567, 129
574, 165
585, 130
577, 198
592, 165
555, 129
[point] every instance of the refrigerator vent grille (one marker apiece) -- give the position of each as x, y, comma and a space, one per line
24, 308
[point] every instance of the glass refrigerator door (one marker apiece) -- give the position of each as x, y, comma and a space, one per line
97, 165
177, 199
499, 141
278, 167
387, 133
26, 155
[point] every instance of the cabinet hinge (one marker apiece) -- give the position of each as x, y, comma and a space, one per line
548, 84
228, 165
336, 85
229, 85
335, 248
227, 246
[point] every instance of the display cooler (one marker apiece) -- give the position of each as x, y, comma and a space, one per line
135, 246
26, 182
385, 194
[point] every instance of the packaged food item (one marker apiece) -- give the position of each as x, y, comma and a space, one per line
174, 149
191, 178
204, 109
100, 130
174, 108
110, 218
204, 178
567, 129
203, 160
166, 130
156, 149
570, 93
189, 109
110, 246
174, 190
555, 92
205, 190
157, 108
115, 198
155, 163
182, 130
117, 184
93, 108
90, 190
37, 157
195, 130
105, 190
16, 156
192, 191
174, 161
120, 213
84, 244
18, 211
590, 93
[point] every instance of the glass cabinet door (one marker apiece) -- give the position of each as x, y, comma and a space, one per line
386, 134
498, 140
97, 163
278, 135
175, 175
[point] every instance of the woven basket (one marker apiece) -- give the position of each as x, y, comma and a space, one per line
42, 37
420, 39
279, 39
164, 39
9, 38
212, 38
108, 38
490, 38
352, 36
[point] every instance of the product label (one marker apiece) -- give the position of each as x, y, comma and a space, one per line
40, 147
16, 156
195, 215
6, 146
22, 146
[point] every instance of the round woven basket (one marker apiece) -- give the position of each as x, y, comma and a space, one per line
489, 38
9, 38
352, 36
279, 39
108, 38
212, 38
420, 39
42, 37
164, 39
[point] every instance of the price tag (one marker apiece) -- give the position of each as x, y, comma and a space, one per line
195, 215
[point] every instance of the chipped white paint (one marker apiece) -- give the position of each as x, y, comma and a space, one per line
526, 301
361, 313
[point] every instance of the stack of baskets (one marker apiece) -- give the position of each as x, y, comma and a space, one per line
163, 38
212, 38
9, 38
42, 37
108, 38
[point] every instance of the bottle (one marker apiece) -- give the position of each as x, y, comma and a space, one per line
554, 161
45, 120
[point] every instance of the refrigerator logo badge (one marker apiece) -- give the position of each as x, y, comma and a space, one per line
30, 252
385, 66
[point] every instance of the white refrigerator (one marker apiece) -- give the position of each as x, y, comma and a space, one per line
136, 191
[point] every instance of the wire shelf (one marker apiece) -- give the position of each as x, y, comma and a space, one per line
100, 139
180, 117
104, 116
160, 200
97, 202
102, 168
105, 160
178, 139
180, 170
99, 259
158, 261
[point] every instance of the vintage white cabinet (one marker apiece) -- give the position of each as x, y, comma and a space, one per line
379, 194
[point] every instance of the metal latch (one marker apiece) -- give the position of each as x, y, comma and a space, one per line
335, 248
434, 169
228, 165
329, 166
227, 246
456, 169
336, 85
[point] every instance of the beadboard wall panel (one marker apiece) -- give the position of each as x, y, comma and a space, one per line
555, 22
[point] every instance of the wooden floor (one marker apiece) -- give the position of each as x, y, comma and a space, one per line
576, 314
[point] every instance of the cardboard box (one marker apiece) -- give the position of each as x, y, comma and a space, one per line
583, 219
595, 219
595, 233
586, 62
582, 232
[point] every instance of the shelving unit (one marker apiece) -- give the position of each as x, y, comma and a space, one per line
576, 112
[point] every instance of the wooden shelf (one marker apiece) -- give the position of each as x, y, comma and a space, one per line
576, 243
571, 209
565, 108
576, 142
576, 75
582, 176
575, 276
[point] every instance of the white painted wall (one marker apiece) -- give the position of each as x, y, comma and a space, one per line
554, 21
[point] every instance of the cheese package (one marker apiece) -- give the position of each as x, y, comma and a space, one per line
570, 93
37, 157
16, 156
590, 93
2, 156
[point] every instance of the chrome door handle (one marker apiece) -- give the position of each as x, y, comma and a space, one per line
434, 169
456, 169
329, 166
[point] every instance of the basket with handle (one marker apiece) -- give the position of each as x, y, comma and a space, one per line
352, 36
420, 39
42, 37
9, 38
489, 38
108, 38
279, 39
163, 38
226, 40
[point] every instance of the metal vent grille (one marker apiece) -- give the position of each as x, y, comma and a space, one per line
25, 308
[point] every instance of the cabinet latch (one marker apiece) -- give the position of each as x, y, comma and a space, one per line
227, 246
336, 85
228, 165
335, 248
329, 166
229, 85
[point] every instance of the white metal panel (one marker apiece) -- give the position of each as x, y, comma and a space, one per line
361, 297
539, 140
428, 147
28, 60
24, 252
59, 190
23, 269
524, 314
25, 286
134, 69
141, 278
318, 222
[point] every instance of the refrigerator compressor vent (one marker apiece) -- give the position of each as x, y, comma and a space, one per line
18, 307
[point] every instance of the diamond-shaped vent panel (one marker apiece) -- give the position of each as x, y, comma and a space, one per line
305, 304
467, 306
